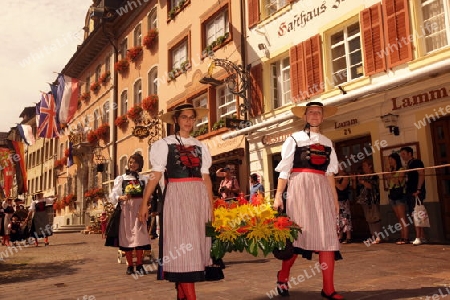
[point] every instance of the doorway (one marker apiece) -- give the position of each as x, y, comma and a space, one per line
440, 131
347, 152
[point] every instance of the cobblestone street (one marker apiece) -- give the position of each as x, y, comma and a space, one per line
77, 266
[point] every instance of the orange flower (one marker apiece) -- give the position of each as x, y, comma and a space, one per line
282, 223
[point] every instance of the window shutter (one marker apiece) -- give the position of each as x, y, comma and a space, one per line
212, 105
297, 73
253, 13
397, 32
373, 40
313, 65
256, 101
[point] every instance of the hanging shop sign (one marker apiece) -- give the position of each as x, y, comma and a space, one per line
141, 132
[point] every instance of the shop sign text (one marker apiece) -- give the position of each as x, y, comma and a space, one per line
419, 98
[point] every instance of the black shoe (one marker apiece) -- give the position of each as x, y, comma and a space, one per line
130, 270
282, 288
140, 270
332, 296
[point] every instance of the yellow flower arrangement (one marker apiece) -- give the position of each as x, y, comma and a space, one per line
240, 226
133, 189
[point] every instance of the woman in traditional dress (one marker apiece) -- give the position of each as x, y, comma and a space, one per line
41, 224
188, 200
127, 192
308, 166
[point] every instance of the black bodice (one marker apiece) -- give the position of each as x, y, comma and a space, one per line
314, 156
184, 161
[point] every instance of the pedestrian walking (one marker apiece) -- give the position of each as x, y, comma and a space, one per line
41, 225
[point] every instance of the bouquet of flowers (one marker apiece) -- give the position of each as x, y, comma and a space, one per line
133, 189
240, 226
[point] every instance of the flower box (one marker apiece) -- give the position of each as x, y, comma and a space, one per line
150, 103
66, 152
95, 87
134, 113
104, 77
134, 53
102, 131
86, 96
151, 38
255, 227
92, 137
121, 121
122, 66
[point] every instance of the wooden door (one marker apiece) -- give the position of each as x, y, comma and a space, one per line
440, 130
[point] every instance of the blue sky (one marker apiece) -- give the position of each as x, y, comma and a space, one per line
38, 38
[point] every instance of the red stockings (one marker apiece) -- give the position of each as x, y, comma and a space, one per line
326, 260
129, 258
186, 291
283, 274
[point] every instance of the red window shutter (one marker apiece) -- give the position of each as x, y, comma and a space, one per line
253, 13
298, 91
256, 101
373, 40
397, 32
313, 65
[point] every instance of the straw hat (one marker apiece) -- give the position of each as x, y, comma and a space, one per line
200, 112
300, 111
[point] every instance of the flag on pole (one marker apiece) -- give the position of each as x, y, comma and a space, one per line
66, 98
7, 167
48, 126
26, 133
20, 168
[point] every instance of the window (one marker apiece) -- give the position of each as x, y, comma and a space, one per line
281, 82
137, 92
96, 119
346, 57
61, 151
137, 36
106, 113
87, 122
152, 19
98, 72
435, 24
153, 81
179, 55
201, 101
217, 27
123, 49
124, 102
226, 102
175, 3
87, 85
272, 6
108, 63
123, 165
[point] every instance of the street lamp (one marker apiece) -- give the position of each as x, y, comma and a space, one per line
237, 80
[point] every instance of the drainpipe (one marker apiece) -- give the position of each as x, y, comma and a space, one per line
417, 74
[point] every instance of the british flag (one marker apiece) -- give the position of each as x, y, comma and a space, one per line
48, 127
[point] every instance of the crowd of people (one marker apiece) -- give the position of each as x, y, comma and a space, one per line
19, 225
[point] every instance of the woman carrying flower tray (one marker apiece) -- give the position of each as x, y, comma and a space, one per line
308, 166
127, 192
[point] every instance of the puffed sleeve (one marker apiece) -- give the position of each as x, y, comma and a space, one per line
144, 178
287, 158
334, 165
158, 156
206, 159
116, 191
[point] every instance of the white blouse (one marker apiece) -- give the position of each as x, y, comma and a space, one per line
159, 150
288, 151
48, 202
116, 191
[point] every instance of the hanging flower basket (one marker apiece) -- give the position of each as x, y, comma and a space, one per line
134, 53
69, 199
134, 113
86, 96
102, 131
66, 152
95, 87
94, 194
122, 66
59, 163
92, 137
104, 77
121, 121
150, 103
150, 38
